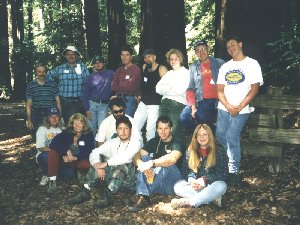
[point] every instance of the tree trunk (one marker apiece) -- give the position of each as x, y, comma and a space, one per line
116, 31
92, 27
5, 78
18, 62
30, 48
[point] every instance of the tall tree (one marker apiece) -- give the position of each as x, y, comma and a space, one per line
91, 17
18, 62
116, 31
5, 78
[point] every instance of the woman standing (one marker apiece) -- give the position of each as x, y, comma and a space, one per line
172, 87
207, 165
72, 147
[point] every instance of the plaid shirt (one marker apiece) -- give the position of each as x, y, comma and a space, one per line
70, 80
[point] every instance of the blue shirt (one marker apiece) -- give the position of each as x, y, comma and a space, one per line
42, 96
70, 80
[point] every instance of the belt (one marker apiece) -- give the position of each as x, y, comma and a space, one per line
71, 99
100, 101
125, 95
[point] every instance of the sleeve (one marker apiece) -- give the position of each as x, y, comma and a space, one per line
115, 82
101, 134
127, 155
103, 150
257, 78
190, 97
180, 86
86, 93
163, 86
41, 137
89, 145
85, 71
53, 75
221, 75
28, 91
219, 172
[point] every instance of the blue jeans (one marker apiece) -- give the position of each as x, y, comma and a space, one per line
164, 180
131, 104
206, 112
42, 160
228, 133
99, 113
196, 198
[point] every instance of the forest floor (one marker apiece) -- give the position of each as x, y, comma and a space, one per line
263, 198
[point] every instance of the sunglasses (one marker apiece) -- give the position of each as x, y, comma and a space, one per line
118, 111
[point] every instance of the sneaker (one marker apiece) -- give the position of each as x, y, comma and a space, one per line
104, 200
44, 181
218, 202
180, 203
142, 202
83, 196
51, 186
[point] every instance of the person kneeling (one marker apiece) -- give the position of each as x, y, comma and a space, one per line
207, 165
112, 169
156, 165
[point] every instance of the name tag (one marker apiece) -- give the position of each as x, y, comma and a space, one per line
145, 79
127, 77
81, 143
66, 71
151, 155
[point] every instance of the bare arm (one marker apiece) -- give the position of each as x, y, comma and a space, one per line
162, 70
29, 124
58, 105
168, 159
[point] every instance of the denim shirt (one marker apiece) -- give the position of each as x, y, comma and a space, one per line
196, 76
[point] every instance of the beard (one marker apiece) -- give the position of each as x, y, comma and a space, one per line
148, 65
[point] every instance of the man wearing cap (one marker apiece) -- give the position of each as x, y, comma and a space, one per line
202, 92
148, 99
70, 77
40, 94
126, 83
97, 92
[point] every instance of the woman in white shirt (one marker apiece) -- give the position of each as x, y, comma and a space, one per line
172, 87
52, 126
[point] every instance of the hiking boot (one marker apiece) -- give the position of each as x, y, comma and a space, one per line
83, 196
51, 186
142, 202
44, 181
234, 179
105, 199
218, 202
180, 203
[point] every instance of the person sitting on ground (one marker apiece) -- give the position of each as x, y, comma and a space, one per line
111, 166
156, 165
72, 148
52, 126
207, 163
107, 129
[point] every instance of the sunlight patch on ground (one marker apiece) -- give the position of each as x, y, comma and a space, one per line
15, 140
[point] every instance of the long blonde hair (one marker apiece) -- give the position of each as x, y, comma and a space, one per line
82, 118
193, 149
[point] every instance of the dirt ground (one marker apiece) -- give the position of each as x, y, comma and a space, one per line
264, 198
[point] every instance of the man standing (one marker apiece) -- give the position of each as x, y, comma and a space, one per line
41, 94
127, 81
97, 92
202, 92
238, 83
111, 166
156, 165
149, 100
107, 129
70, 78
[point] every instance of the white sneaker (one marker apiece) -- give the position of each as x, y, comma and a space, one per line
44, 181
218, 202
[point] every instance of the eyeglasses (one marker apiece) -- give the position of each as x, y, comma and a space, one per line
118, 111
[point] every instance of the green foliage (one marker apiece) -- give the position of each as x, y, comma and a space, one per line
284, 70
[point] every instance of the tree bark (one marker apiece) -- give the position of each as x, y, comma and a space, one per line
116, 31
91, 18
5, 78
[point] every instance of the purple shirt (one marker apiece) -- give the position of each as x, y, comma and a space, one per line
98, 87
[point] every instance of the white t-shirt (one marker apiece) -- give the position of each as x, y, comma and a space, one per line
237, 76
44, 137
108, 129
173, 85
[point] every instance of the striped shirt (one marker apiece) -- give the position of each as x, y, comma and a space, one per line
70, 80
42, 96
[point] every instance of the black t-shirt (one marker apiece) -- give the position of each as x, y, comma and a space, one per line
157, 148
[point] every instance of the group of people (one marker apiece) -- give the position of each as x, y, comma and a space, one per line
105, 113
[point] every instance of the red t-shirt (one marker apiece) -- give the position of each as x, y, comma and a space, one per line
209, 87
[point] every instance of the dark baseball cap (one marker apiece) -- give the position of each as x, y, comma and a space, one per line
53, 111
201, 42
149, 52
98, 58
